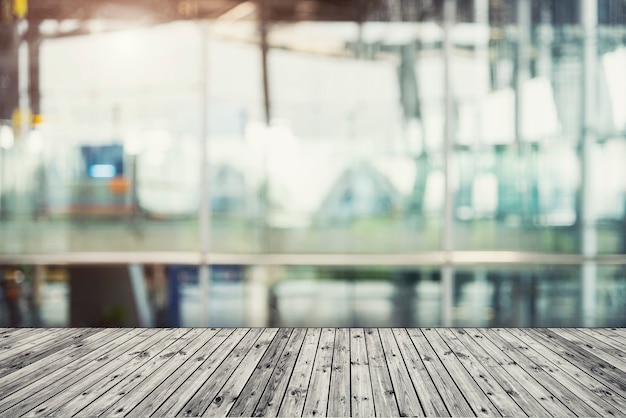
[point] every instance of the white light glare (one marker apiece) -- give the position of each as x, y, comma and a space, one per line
6, 137
102, 171
35, 141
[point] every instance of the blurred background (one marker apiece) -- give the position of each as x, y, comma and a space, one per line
313, 163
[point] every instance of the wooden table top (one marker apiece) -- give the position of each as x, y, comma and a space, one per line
312, 372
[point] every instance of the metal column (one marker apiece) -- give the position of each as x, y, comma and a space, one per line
523, 308
205, 194
589, 20
522, 75
447, 271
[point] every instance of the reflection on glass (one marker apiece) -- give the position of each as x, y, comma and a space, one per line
343, 151
341, 296
351, 159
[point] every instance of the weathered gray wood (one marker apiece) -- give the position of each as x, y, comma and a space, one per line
618, 335
385, 403
251, 392
316, 402
339, 396
197, 392
234, 386
163, 352
277, 384
216, 348
361, 397
504, 403
558, 390
525, 381
556, 364
506, 380
604, 335
11, 335
126, 378
594, 346
297, 389
31, 343
313, 372
192, 398
479, 402
41, 352
579, 390
27, 398
13, 380
152, 374
430, 399
92, 386
450, 393
25, 335
609, 374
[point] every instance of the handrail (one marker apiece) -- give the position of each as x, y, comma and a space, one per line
434, 258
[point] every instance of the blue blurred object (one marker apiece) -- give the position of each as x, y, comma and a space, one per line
103, 161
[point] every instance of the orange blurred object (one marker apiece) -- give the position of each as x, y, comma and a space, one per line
118, 185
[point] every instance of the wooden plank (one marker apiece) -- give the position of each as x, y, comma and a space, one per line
248, 397
479, 402
316, 402
24, 335
165, 350
536, 372
18, 350
207, 358
154, 374
271, 341
86, 390
339, 395
13, 380
274, 392
27, 398
383, 391
505, 379
525, 381
447, 388
209, 391
558, 390
547, 357
603, 371
31, 343
616, 334
10, 335
579, 390
361, 397
430, 399
92, 387
295, 395
594, 346
504, 403
194, 395
604, 335
41, 352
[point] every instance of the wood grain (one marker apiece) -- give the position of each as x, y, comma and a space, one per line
339, 395
556, 387
316, 403
430, 398
524, 380
197, 392
361, 399
312, 372
205, 360
382, 387
297, 389
272, 396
